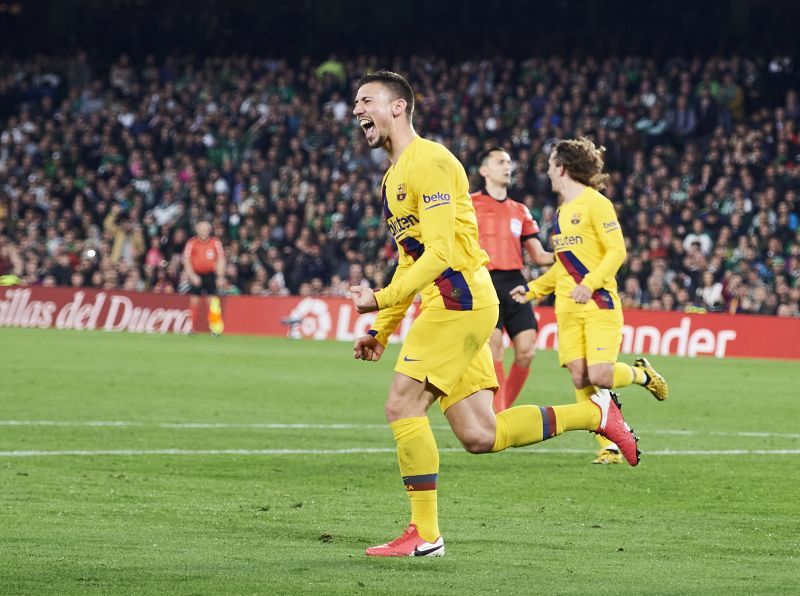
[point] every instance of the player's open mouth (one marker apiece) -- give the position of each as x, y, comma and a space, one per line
367, 126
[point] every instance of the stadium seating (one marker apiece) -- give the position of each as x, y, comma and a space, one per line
103, 173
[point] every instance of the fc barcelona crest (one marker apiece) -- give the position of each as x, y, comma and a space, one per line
575, 219
401, 192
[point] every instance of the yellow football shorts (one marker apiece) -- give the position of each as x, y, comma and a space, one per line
450, 349
595, 335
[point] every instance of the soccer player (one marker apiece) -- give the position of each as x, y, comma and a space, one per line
446, 356
504, 226
589, 248
204, 260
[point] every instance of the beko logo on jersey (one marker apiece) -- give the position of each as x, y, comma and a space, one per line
564, 241
397, 225
436, 198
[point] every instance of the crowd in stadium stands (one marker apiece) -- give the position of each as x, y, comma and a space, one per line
103, 173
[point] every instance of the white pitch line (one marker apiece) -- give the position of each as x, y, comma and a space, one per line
362, 450
315, 426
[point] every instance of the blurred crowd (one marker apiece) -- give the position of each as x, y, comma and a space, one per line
105, 172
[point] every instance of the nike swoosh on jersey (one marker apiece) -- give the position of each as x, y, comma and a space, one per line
407, 359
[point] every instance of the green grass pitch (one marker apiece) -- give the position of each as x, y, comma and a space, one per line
187, 465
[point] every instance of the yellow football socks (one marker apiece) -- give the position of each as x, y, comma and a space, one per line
419, 465
625, 374
582, 416
525, 425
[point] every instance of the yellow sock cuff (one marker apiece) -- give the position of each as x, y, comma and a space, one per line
408, 426
417, 453
519, 426
624, 374
500, 433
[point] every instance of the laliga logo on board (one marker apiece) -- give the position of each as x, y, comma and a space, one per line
314, 317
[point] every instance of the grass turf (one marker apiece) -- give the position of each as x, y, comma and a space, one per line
538, 519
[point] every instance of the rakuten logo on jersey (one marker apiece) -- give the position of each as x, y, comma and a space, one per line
436, 198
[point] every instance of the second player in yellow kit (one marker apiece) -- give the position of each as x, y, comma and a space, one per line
589, 248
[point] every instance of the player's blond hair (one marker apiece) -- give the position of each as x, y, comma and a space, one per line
583, 161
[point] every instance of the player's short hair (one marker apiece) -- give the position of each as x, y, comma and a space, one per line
583, 161
399, 87
485, 154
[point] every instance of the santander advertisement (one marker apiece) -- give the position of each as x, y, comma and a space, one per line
645, 332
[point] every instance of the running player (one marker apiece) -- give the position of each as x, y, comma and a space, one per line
446, 356
589, 248
504, 226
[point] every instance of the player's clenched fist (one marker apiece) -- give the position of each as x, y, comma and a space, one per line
363, 299
367, 348
581, 294
520, 294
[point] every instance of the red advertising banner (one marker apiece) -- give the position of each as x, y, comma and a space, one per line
645, 332
111, 310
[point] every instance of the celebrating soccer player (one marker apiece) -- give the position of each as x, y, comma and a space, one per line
446, 355
504, 225
589, 247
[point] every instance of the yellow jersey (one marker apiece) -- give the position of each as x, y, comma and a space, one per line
589, 249
428, 210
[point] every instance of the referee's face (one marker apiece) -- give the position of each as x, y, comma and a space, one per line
497, 168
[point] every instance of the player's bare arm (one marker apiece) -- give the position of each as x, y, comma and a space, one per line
194, 279
220, 269
538, 254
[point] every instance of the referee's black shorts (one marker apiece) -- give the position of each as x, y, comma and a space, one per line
514, 317
207, 287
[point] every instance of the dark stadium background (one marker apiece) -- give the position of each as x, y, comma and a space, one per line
453, 29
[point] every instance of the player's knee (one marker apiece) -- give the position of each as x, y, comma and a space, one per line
603, 379
579, 379
478, 441
523, 358
394, 411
